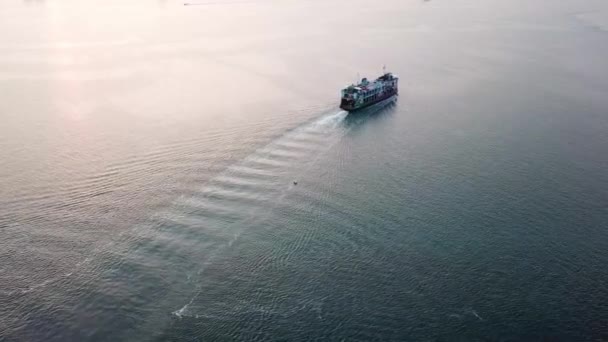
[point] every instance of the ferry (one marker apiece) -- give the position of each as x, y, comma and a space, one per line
366, 93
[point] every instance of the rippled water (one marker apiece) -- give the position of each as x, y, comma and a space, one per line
176, 172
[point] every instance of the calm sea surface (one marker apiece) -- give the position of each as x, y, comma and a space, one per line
148, 153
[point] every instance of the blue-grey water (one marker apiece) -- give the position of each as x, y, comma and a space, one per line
148, 153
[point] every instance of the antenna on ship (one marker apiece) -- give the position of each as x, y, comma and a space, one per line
383, 69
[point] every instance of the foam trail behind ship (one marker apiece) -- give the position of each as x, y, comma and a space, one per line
211, 216
216, 215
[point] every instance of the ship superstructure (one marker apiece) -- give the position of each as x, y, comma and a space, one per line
366, 93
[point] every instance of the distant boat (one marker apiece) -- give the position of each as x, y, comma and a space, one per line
366, 93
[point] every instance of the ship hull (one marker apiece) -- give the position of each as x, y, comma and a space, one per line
352, 108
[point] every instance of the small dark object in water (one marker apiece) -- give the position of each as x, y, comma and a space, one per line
295, 183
